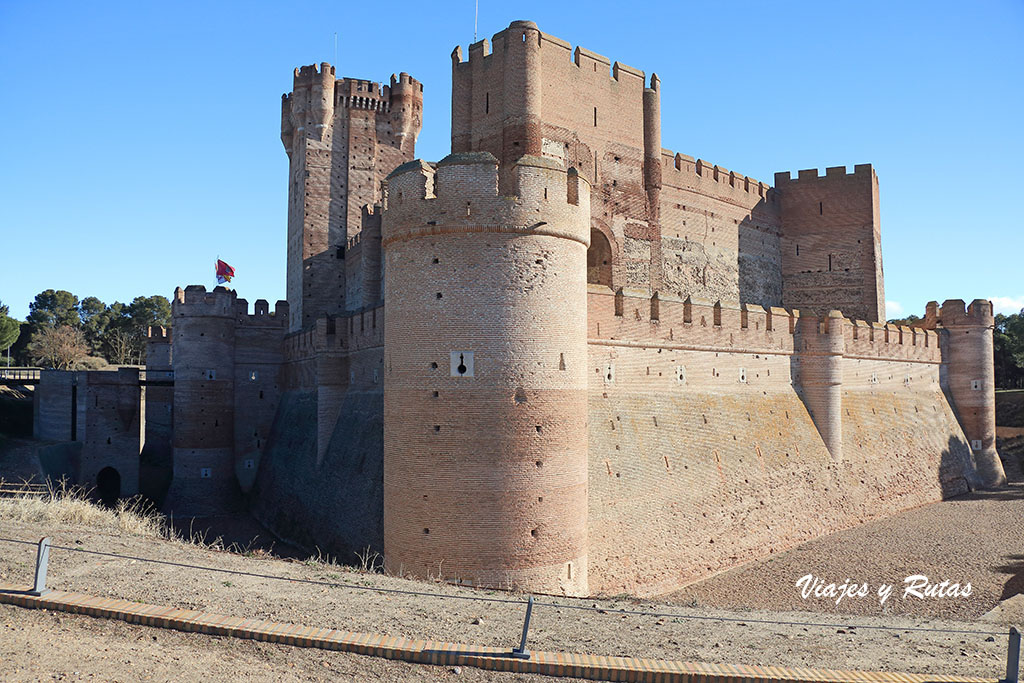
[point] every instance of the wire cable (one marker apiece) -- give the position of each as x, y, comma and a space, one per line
509, 601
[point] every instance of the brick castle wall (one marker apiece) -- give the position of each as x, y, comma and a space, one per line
703, 451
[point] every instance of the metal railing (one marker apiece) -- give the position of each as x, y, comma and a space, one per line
29, 375
44, 546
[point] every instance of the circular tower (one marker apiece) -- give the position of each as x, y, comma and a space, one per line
485, 386
203, 360
967, 362
820, 352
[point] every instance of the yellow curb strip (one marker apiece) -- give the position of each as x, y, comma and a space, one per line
629, 669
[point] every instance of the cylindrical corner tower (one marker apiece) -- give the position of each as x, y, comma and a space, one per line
485, 385
820, 347
522, 94
406, 110
204, 398
969, 374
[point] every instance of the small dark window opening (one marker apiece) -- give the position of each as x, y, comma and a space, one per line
461, 369
798, 250
433, 366
340, 253
487, 103
821, 209
261, 393
595, 117
830, 262
439, 295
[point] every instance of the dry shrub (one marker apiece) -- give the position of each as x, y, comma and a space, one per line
63, 504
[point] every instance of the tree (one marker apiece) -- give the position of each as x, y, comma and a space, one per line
54, 308
1008, 343
58, 347
10, 330
95, 318
127, 327
909, 320
122, 348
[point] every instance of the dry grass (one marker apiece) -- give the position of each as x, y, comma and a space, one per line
63, 504
54, 504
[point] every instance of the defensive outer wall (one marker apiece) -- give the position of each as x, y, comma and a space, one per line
563, 359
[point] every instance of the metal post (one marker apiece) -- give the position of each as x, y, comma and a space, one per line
522, 653
1012, 657
42, 559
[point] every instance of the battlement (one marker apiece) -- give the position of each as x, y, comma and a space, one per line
661, 318
361, 330
316, 94
194, 300
884, 340
518, 32
860, 172
977, 314
714, 179
406, 83
261, 314
368, 214
306, 76
158, 334
461, 195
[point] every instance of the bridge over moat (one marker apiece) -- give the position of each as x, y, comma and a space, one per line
29, 376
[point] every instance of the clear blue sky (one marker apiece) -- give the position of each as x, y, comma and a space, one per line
141, 140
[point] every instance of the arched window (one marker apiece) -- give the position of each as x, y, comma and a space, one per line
599, 259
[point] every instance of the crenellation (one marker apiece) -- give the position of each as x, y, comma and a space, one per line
158, 334
463, 192
686, 170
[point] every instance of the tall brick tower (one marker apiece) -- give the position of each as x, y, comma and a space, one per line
343, 136
533, 94
203, 445
969, 378
831, 242
485, 384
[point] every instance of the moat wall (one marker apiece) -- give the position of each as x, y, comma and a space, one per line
320, 478
700, 460
333, 503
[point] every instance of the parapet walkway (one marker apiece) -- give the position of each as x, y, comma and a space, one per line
593, 667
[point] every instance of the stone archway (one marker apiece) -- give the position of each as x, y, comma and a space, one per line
599, 259
108, 486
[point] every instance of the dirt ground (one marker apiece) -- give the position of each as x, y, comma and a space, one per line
976, 538
38, 645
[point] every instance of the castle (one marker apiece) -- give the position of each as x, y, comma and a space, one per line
563, 358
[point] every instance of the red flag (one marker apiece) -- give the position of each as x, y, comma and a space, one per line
224, 272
